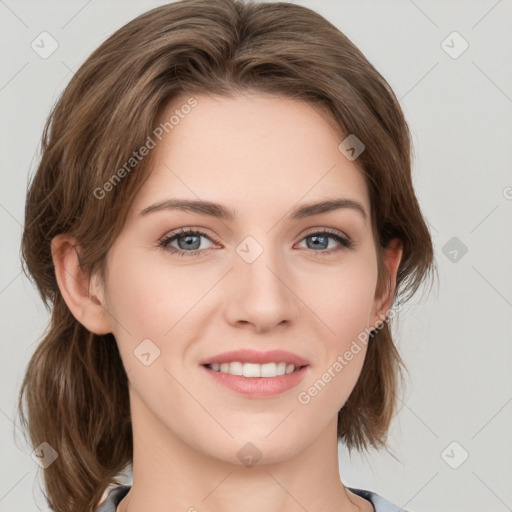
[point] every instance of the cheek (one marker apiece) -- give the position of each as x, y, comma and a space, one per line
343, 298
343, 305
148, 299
134, 300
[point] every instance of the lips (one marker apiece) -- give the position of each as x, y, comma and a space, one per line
255, 356
256, 387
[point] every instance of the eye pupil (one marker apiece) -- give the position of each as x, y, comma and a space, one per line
323, 241
190, 242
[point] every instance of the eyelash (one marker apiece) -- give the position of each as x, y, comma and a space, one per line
346, 243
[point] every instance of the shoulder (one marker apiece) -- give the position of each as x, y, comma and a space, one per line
380, 504
114, 497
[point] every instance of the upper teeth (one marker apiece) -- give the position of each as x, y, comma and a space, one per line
253, 369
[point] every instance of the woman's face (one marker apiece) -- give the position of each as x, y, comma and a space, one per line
260, 280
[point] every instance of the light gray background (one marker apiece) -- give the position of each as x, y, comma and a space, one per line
456, 342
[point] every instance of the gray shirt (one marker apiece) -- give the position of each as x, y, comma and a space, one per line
379, 503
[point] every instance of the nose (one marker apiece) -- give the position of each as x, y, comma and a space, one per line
260, 294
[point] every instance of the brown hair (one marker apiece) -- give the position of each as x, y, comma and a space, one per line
75, 384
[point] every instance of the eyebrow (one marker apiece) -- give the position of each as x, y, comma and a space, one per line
221, 212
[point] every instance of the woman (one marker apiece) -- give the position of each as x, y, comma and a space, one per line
222, 222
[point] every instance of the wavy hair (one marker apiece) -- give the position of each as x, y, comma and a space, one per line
75, 386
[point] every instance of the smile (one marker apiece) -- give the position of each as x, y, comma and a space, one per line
254, 369
268, 385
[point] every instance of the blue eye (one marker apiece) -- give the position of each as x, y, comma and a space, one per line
191, 239
321, 239
189, 242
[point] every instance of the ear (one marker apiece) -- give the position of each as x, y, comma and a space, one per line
87, 307
392, 255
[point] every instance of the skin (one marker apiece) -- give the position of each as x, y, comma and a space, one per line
261, 156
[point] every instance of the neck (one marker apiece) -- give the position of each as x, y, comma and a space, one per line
170, 474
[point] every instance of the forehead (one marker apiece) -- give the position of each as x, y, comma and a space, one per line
247, 150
